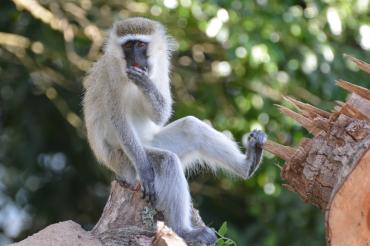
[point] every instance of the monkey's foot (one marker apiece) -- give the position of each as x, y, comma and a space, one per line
256, 138
204, 235
254, 143
126, 185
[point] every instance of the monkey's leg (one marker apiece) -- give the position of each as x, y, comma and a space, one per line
173, 197
192, 139
120, 164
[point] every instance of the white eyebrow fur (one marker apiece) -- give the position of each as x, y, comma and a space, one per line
141, 37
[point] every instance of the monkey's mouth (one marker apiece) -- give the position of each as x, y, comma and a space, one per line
138, 66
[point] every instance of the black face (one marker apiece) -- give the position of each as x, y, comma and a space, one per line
136, 54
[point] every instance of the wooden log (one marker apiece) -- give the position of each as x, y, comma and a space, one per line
348, 213
127, 219
332, 170
316, 172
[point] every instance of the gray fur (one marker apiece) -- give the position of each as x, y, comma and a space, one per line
160, 108
137, 25
125, 113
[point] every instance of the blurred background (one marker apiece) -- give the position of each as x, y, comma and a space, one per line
234, 61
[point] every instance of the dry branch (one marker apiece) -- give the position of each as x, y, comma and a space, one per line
359, 90
302, 120
307, 107
284, 152
353, 112
361, 64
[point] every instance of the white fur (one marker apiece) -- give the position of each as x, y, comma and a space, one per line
141, 37
196, 143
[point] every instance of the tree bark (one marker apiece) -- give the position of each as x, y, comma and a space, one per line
332, 170
127, 220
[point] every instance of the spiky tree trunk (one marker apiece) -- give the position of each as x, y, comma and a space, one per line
332, 170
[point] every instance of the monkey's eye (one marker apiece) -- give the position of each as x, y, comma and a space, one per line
127, 45
141, 44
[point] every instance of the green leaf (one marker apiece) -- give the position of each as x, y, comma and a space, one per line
230, 242
220, 242
223, 229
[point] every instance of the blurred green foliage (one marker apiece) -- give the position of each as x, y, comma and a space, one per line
235, 60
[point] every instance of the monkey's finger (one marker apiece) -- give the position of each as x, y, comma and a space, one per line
261, 138
139, 70
143, 191
135, 77
136, 71
153, 196
132, 74
149, 197
137, 74
252, 143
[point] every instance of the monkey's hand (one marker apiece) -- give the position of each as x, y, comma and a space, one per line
138, 76
147, 183
255, 141
160, 106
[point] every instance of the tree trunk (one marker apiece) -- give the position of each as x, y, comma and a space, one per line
126, 220
332, 170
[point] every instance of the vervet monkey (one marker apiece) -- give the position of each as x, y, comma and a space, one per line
127, 104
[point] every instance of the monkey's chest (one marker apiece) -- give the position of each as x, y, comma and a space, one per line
139, 110
144, 128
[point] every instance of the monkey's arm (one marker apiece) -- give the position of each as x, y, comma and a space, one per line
160, 106
133, 149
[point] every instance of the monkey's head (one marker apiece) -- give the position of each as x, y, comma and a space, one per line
142, 43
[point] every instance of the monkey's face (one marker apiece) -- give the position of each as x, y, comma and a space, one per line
135, 52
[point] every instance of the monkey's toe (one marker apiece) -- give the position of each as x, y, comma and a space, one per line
208, 236
204, 235
259, 137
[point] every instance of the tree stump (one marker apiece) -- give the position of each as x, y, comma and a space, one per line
127, 220
332, 170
